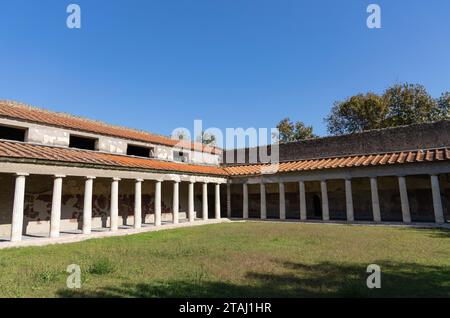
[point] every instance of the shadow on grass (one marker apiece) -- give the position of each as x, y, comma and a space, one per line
434, 232
297, 280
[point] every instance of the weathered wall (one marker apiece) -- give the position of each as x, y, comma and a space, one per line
412, 137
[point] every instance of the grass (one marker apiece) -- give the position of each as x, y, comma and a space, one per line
252, 259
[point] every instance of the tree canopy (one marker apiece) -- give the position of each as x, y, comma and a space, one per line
290, 131
400, 104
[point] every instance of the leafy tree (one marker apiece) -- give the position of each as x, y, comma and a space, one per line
400, 104
443, 106
290, 131
357, 113
206, 139
409, 104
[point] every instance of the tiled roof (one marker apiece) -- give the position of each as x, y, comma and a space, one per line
18, 111
19, 150
26, 151
430, 155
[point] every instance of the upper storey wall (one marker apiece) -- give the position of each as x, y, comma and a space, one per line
420, 136
54, 136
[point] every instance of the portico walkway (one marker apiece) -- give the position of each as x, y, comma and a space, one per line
78, 236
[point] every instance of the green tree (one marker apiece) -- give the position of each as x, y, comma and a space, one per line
409, 104
290, 131
443, 106
357, 113
400, 104
206, 139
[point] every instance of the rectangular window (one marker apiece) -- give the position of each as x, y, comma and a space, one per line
83, 142
12, 133
139, 151
180, 156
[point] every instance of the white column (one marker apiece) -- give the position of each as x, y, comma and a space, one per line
17, 216
158, 203
262, 189
87, 207
437, 201
228, 200
205, 201
282, 201
349, 200
138, 203
325, 209
406, 213
301, 187
191, 202
114, 218
175, 202
245, 201
217, 205
55, 217
375, 199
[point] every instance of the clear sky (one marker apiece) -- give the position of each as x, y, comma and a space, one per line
160, 64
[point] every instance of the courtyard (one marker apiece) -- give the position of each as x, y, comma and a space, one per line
238, 259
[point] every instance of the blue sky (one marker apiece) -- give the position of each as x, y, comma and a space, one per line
160, 64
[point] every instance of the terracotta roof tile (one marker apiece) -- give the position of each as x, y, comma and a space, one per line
347, 162
18, 111
18, 150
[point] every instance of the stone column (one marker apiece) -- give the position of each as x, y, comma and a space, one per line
437, 201
17, 215
175, 201
191, 202
87, 207
301, 187
138, 203
228, 200
245, 201
282, 201
205, 201
375, 199
217, 205
158, 203
263, 201
114, 218
55, 217
325, 209
406, 213
349, 200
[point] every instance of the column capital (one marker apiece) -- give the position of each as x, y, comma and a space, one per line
89, 177
116, 179
58, 176
22, 174
139, 180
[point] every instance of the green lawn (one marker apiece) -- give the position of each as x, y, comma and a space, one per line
238, 260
